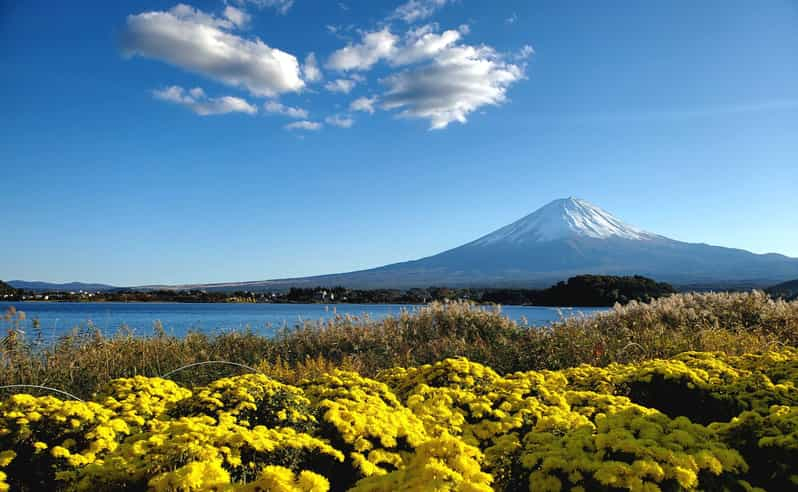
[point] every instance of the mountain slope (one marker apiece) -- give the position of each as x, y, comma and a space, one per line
567, 237
6, 289
53, 287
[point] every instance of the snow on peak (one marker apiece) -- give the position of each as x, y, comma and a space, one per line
564, 218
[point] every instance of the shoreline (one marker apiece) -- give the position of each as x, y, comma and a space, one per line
58, 301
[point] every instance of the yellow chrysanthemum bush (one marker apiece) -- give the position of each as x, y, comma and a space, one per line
483, 409
624, 446
244, 430
254, 399
203, 452
272, 478
710, 387
698, 421
769, 443
41, 435
441, 464
745, 400
139, 399
537, 433
363, 418
449, 396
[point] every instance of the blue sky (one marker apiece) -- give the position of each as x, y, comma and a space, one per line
147, 142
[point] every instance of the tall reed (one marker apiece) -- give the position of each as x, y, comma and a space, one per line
85, 359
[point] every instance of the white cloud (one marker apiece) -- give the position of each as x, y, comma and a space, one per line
339, 121
525, 52
311, 69
199, 42
238, 17
416, 45
373, 47
446, 82
512, 19
343, 86
281, 6
277, 108
197, 16
196, 100
364, 104
304, 125
423, 43
458, 81
416, 10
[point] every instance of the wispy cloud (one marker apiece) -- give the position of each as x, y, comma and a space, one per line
196, 100
281, 6
423, 43
364, 104
339, 121
304, 125
311, 69
343, 86
238, 17
362, 56
416, 10
416, 45
278, 108
525, 52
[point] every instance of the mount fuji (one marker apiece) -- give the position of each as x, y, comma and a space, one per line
564, 238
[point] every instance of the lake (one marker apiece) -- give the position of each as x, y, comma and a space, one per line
59, 318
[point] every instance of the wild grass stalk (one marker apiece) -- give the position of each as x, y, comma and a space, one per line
733, 323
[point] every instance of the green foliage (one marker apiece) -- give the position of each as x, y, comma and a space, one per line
603, 290
7, 292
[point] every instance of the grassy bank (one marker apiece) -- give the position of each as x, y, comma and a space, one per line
730, 323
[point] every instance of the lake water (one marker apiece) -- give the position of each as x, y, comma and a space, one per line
59, 318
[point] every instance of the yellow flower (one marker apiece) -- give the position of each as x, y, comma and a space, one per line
60, 452
452, 425
6, 457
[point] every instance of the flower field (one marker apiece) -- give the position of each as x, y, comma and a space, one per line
698, 421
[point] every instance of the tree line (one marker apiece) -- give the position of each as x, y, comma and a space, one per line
582, 290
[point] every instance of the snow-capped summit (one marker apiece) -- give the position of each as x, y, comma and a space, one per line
562, 219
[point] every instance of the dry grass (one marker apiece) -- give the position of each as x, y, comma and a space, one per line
732, 323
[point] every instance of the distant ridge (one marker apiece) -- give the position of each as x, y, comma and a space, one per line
53, 287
